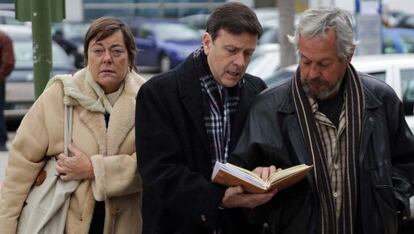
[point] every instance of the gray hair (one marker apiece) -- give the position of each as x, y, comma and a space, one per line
317, 22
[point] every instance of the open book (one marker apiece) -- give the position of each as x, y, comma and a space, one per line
231, 175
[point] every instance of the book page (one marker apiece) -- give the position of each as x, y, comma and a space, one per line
279, 175
241, 173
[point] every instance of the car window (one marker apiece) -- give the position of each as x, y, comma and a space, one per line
407, 87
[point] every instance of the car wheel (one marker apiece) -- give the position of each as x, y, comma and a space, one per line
165, 64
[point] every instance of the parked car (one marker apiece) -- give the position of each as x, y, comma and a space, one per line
70, 36
19, 85
163, 44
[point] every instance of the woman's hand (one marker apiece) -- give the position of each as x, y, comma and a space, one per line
76, 167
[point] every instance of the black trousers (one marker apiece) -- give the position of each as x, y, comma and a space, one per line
98, 219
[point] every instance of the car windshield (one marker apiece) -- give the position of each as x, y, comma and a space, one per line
177, 32
24, 54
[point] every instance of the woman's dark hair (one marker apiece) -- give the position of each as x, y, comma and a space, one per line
235, 18
106, 26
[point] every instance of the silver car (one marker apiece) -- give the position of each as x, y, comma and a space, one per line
19, 84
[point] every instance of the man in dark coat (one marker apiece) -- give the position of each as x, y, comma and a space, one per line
348, 125
191, 117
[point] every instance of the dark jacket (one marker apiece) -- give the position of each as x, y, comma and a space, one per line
386, 161
174, 158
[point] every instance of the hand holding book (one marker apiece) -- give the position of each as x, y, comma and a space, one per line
231, 175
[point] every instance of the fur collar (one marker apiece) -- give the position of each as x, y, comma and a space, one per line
122, 119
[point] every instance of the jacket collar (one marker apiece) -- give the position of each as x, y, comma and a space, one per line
189, 89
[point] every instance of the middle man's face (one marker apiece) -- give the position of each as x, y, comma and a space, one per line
228, 55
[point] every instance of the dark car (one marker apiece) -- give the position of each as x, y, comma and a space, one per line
163, 44
19, 85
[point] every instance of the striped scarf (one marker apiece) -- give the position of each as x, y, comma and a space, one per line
354, 106
219, 105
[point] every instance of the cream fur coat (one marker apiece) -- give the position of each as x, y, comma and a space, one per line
112, 152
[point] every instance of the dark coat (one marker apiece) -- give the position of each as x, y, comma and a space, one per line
174, 158
386, 161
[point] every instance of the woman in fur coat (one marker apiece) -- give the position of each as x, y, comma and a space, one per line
103, 157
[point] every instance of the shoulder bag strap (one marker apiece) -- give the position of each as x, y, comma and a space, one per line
67, 138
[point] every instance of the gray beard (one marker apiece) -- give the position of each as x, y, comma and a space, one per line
326, 93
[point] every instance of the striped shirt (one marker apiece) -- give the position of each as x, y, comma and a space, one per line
334, 144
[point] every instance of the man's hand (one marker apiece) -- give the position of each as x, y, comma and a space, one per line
235, 197
76, 167
264, 172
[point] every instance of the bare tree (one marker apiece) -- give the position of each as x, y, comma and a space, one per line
286, 27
